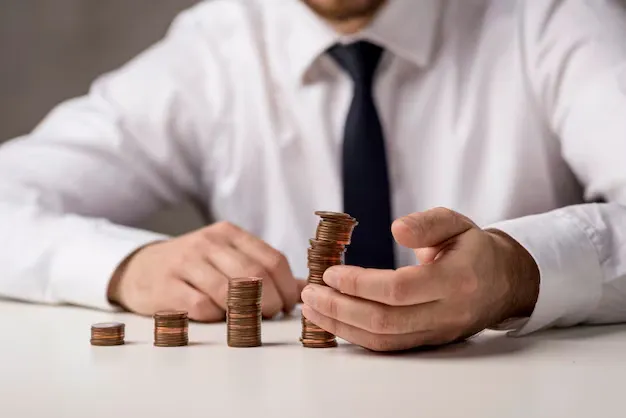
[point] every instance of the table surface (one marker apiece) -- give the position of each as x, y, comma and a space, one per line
48, 368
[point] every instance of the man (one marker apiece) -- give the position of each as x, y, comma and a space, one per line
473, 141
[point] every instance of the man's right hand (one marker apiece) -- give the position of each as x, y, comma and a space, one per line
191, 273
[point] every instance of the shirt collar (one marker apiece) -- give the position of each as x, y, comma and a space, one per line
407, 28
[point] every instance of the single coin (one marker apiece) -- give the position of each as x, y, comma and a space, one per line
170, 344
330, 214
318, 344
106, 343
241, 281
107, 325
170, 315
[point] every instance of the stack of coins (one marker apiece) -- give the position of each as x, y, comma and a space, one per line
171, 329
107, 334
334, 233
243, 316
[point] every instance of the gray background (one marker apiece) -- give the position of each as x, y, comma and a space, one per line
52, 49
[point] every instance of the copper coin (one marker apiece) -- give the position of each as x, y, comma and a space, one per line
106, 343
245, 280
171, 337
316, 344
170, 315
108, 325
170, 345
107, 337
334, 215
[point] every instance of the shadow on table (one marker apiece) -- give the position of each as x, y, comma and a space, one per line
499, 344
581, 332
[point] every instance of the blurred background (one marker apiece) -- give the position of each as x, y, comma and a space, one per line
52, 49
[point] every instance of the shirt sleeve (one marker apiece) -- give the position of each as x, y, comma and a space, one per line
71, 189
575, 57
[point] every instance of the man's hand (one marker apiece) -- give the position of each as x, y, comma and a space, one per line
468, 279
191, 273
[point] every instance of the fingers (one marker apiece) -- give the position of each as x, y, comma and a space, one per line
199, 306
368, 339
430, 228
274, 262
402, 287
202, 275
233, 263
429, 254
371, 316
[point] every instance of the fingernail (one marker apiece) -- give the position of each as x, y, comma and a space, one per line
410, 224
308, 295
331, 277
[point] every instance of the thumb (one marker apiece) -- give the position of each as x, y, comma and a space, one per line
430, 228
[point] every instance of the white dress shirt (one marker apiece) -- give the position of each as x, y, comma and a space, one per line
512, 112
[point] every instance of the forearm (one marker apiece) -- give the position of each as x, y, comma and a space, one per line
51, 258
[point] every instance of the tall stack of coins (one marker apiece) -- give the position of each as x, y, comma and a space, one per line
107, 334
243, 316
334, 233
171, 329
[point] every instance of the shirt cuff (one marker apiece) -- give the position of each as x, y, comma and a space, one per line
569, 269
82, 268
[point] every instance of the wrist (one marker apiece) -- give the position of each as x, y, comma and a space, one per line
522, 273
114, 291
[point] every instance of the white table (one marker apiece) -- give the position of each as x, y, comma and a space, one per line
49, 369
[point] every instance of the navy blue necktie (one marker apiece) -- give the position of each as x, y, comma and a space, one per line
364, 166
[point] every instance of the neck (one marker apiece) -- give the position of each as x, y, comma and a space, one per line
346, 19
351, 26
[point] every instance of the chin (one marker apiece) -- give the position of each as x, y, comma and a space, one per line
344, 9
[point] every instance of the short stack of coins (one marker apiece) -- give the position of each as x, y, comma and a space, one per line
243, 316
171, 329
107, 334
334, 233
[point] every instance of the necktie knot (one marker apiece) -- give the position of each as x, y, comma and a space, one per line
360, 60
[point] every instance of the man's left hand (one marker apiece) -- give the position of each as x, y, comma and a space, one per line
468, 279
